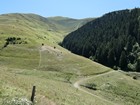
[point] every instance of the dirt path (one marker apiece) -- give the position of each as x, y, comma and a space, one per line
77, 85
44, 100
39, 58
41, 49
51, 50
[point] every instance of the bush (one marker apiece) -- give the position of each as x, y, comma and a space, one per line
134, 77
91, 86
17, 101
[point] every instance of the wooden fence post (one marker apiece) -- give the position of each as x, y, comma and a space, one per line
33, 93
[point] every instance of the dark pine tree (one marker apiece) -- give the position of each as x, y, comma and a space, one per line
123, 61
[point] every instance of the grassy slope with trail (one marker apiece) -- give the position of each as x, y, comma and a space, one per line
115, 86
53, 80
79, 82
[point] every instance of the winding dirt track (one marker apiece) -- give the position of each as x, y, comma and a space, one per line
77, 85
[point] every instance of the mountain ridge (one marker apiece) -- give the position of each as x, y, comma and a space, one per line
36, 26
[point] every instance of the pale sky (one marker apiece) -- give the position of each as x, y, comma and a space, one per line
67, 8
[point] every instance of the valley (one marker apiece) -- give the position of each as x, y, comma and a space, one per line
60, 77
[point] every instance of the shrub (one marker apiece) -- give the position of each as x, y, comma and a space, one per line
134, 77
17, 101
91, 86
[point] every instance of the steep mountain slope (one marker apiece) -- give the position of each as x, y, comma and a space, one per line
112, 40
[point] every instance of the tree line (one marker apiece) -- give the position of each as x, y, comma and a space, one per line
14, 40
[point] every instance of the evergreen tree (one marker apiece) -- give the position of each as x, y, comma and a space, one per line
111, 58
138, 65
123, 61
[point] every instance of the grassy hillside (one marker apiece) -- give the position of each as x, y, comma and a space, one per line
53, 71
25, 62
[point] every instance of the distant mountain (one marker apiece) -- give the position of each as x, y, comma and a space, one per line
112, 40
68, 24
